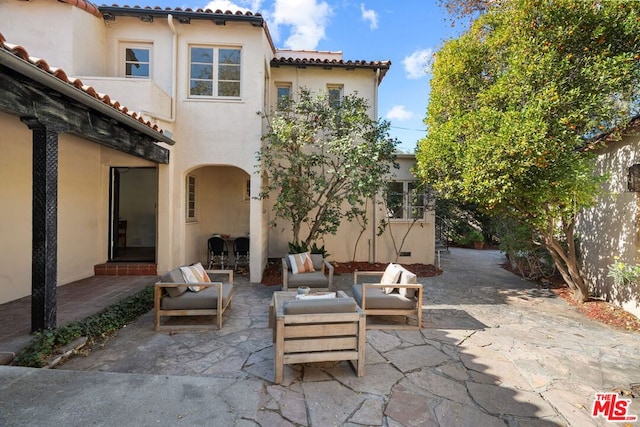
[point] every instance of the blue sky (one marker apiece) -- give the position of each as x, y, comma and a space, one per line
406, 32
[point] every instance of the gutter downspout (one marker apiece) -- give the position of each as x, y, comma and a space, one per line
374, 247
174, 71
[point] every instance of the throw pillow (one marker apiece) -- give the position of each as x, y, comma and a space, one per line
194, 274
201, 274
390, 277
301, 263
406, 278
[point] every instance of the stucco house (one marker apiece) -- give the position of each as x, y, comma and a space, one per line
611, 229
159, 182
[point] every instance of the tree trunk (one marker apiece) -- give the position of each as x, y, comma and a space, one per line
566, 259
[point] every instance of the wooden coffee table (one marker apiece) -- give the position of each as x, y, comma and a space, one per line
279, 297
307, 333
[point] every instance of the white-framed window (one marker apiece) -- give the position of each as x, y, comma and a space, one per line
335, 94
191, 199
137, 60
214, 72
247, 190
405, 200
283, 94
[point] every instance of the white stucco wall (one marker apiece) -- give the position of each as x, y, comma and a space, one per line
611, 228
37, 25
15, 215
360, 81
208, 131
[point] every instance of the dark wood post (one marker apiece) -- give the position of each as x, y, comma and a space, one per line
45, 225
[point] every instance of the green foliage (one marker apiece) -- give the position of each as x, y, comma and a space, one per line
100, 325
320, 158
298, 248
303, 247
512, 102
624, 274
476, 236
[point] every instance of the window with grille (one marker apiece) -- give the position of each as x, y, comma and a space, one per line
335, 95
137, 61
283, 94
405, 200
214, 72
191, 198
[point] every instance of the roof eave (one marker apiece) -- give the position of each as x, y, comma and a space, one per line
111, 12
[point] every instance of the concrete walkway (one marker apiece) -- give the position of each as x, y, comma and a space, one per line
495, 351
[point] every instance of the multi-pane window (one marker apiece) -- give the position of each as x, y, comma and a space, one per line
215, 72
247, 190
335, 95
137, 62
283, 93
405, 200
191, 198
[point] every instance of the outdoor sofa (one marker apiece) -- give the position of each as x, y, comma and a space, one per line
396, 293
174, 295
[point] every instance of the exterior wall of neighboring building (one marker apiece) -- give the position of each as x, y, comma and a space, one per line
414, 239
612, 227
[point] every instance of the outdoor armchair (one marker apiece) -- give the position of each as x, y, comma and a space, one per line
396, 292
321, 279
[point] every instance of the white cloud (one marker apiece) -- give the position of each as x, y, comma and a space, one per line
306, 20
369, 15
418, 63
241, 5
399, 112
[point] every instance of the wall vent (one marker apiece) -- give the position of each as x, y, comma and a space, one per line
405, 254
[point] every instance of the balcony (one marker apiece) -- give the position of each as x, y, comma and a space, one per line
140, 95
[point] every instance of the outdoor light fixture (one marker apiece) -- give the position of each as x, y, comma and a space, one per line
146, 18
633, 181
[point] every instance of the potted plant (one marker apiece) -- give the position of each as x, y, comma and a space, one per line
477, 238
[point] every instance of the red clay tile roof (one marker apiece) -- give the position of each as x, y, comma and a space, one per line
110, 12
59, 73
84, 5
330, 63
178, 9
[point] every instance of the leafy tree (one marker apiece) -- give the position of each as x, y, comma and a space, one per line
324, 160
513, 101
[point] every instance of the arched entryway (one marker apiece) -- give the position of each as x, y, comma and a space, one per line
217, 202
